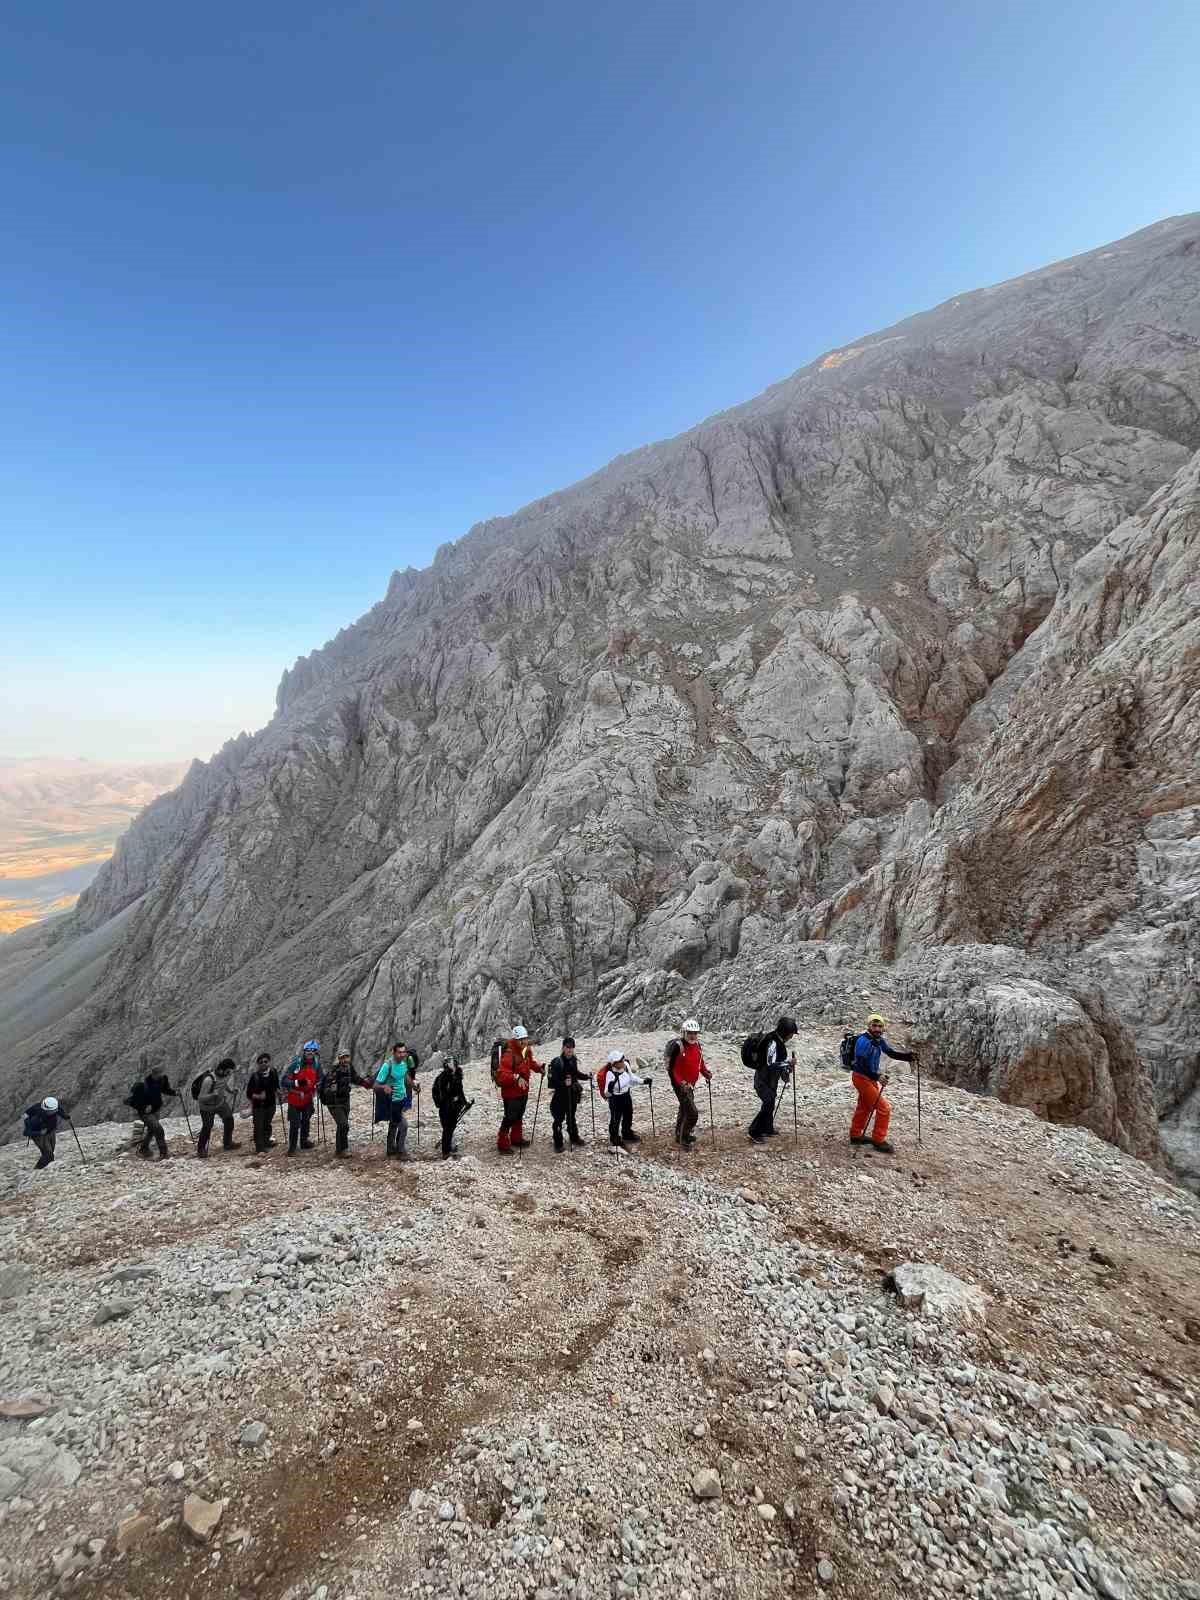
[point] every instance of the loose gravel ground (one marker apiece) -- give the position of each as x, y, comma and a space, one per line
590, 1375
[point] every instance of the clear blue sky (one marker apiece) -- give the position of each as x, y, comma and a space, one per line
293, 291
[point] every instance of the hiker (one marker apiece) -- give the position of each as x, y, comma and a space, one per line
451, 1101
566, 1079
310, 1057
41, 1125
616, 1083
146, 1098
870, 1083
211, 1092
300, 1084
685, 1068
775, 1065
335, 1094
262, 1091
512, 1075
391, 1097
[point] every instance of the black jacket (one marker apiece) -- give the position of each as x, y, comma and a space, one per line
38, 1122
148, 1094
264, 1083
336, 1083
448, 1093
567, 1074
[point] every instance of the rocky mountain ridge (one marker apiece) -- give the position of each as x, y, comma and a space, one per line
898, 654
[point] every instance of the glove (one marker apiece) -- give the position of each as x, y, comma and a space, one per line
649, 1078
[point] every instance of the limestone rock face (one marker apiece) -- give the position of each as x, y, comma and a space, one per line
901, 653
987, 1022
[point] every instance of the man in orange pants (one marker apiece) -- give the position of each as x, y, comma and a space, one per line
870, 1083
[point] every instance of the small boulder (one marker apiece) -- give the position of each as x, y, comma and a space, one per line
113, 1311
202, 1517
937, 1293
1182, 1498
706, 1484
253, 1434
27, 1408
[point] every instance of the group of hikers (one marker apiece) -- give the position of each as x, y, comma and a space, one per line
307, 1089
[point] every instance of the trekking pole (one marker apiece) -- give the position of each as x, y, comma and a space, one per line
653, 1129
795, 1113
712, 1127
917, 1059
592, 1097
71, 1125
537, 1106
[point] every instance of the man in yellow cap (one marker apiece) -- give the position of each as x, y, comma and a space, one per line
870, 1083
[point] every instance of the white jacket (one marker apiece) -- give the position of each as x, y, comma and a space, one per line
620, 1080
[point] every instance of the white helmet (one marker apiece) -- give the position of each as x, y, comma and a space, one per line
50, 1105
690, 1025
614, 1056
519, 1032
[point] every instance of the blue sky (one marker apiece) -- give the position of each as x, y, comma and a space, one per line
294, 292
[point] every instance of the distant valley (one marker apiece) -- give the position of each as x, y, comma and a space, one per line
59, 822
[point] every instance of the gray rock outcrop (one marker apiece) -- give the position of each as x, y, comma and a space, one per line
900, 653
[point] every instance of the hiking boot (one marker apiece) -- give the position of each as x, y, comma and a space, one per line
633, 1138
520, 1144
341, 1154
505, 1150
163, 1155
578, 1141
201, 1155
293, 1152
772, 1133
756, 1138
307, 1144
234, 1144
859, 1139
44, 1162
883, 1147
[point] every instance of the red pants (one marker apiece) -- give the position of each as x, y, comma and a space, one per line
870, 1098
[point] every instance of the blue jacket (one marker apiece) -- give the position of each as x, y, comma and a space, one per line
867, 1052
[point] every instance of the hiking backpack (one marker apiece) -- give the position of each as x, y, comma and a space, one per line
33, 1128
671, 1049
847, 1048
497, 1052
197, 1081
754, 1051
439, 1091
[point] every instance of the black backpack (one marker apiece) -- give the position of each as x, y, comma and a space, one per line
671, 1049
197, 1081
439, 1090
846, 1049
754, 1051
497, 1052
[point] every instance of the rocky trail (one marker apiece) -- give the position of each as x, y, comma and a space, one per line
591, 1375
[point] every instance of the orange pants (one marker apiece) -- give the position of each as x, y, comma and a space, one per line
870, 1098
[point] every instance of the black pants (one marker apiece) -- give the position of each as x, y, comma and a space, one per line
207, 1118
298, 1119
306, 1116
341, 1122
45, 1143
564, 1107
620, 1117
264, 1119
153, 1135
513, 1111
449, 1117
766, 1087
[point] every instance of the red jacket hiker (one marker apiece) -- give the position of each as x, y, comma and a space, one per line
688, 1063
512, 1076
302, 1086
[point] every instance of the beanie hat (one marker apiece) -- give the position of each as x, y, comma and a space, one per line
568, 1041
875, 1017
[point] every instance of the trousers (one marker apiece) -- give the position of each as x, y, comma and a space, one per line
620, 1117
870, 1099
